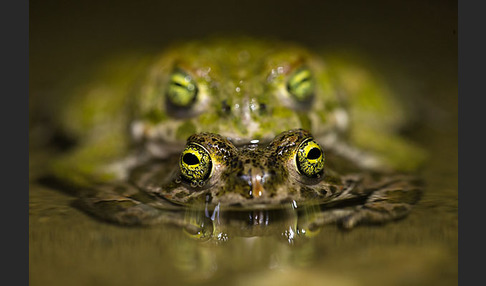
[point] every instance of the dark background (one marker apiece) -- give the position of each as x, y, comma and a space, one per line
411, 36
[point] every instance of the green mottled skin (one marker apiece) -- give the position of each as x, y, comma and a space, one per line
249, 174
250, 177
122, 118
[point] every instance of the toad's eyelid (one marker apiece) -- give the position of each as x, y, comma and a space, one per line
182, 90
301, 75
180, 77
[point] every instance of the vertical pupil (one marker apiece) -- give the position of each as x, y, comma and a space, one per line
190, 159
314, 153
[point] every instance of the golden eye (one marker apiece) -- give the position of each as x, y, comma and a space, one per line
195, 164
301, 85
309, 158
182, 90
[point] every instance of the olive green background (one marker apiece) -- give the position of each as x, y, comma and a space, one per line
412, 43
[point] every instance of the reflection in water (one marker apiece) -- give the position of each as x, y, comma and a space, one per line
204, 260
257, 240
289, 222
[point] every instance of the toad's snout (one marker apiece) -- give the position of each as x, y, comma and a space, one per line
255, 179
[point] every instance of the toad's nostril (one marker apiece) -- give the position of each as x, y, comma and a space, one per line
225, 107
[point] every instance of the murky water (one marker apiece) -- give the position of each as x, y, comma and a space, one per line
68, 247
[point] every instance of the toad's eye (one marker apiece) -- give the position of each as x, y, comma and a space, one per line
195, 164
301, 85
309, 159
182, 90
